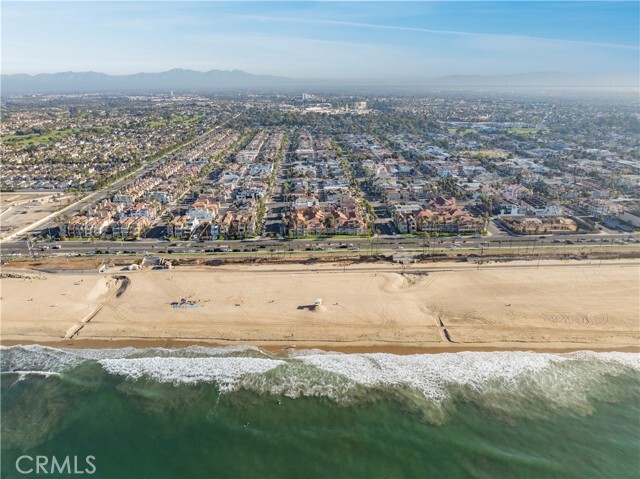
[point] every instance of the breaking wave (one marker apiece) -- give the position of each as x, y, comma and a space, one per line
499, 381
224, 372
43, 358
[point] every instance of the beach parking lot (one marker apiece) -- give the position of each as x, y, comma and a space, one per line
19, 210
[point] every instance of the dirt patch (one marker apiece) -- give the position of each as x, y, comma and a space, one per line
590, 319
23, 276
122, 283
66, 264
413, 279
116, 287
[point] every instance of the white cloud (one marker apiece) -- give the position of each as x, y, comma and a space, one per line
474, 35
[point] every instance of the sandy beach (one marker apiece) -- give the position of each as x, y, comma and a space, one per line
561, 305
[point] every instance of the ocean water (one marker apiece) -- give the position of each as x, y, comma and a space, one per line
239, 412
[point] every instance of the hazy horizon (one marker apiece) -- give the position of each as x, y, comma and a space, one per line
379, 41
611, 75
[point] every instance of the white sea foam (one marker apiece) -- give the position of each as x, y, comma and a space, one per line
37, 358
431, 373
23, 374
494, 379
631, 360
562, 379
225, 372
295, 353
43, 358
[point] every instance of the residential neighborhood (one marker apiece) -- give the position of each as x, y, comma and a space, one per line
298, 166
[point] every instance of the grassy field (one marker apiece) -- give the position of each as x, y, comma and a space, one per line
462, 131
175, 120
485, 153
526, 131
40, 138
37, 139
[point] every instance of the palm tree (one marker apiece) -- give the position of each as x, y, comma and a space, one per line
486, 219
425, 235
294, 221
436, 224
329, 222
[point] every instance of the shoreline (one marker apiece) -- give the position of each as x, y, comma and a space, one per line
272, 347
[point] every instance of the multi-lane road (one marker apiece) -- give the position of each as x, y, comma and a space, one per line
376, 244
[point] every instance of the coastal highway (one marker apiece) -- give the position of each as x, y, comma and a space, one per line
377, 244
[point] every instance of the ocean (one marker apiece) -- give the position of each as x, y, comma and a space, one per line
240, 412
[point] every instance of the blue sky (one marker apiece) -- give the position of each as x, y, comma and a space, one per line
383, 40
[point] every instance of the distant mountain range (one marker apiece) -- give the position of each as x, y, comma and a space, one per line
180, 80
176, 79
